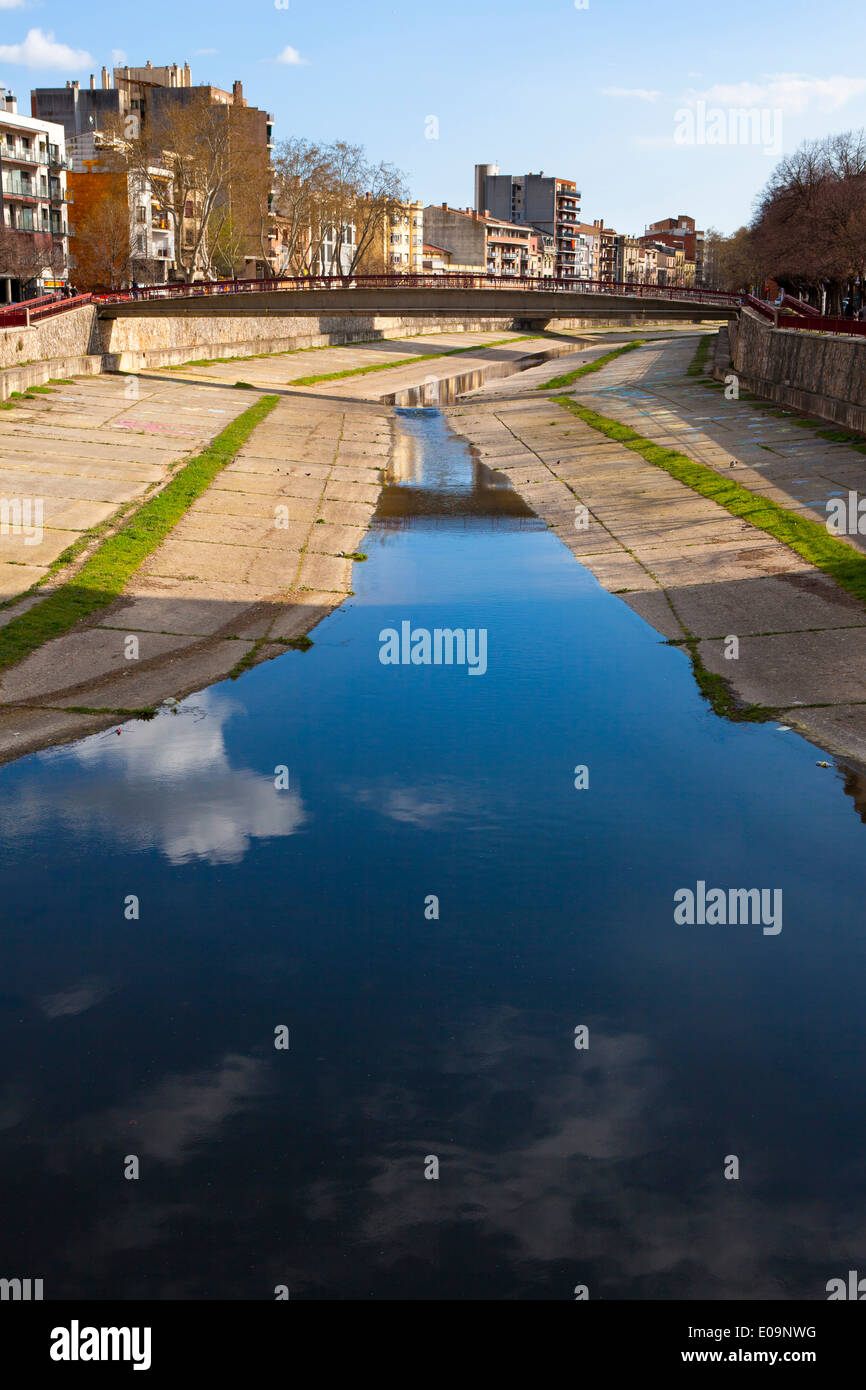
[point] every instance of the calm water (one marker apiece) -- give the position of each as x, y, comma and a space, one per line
452, 1038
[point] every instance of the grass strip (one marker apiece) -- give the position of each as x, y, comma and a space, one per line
404, 362
809, 539
698, 364
104, 575
556, 383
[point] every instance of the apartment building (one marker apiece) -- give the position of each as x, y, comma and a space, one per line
679, 231
628, 260
34, 226
548, 204
588, 252
483, 243
542, 255
122, 230
509, 249
398, 246
139, 94
437, 260
608, 251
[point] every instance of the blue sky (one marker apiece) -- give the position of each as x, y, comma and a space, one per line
607, 94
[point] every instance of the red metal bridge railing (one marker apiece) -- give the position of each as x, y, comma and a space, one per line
445, 281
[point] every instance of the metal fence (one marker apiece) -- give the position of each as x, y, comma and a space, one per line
34, 310
811, 322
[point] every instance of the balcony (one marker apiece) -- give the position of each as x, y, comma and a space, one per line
19, 155
14, 188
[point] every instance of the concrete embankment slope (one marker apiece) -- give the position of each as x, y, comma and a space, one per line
87, 448
690, 568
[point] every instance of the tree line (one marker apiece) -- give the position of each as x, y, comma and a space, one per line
808, 232
304, 208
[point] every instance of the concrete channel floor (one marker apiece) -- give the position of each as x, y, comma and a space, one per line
683, 563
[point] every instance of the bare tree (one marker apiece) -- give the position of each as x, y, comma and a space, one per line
810, 221
301, 176
331, 205
26, 255
199, 150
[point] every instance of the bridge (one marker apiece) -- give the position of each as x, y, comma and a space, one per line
529, 302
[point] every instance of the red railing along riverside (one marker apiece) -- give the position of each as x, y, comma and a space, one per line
34, 310
805, 323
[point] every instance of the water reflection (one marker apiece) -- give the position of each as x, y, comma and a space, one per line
439, 391
450, 483
167, 782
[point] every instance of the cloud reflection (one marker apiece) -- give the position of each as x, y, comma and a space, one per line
164, 783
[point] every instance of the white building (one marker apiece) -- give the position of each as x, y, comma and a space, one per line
33, 204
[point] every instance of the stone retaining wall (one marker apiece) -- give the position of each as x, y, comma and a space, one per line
72, 333
821, 374
138, 341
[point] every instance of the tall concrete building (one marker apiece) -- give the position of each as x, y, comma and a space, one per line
549, 204
80, 110
34, 227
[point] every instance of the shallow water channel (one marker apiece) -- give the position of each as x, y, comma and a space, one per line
434, 1035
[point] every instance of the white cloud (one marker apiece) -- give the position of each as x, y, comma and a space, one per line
41, 51
118, 58
204, 52
637, 93
292, 57
786, 91
12, 4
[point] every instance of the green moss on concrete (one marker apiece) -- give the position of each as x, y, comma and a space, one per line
104, 575
808, 538
698, 364
557, 383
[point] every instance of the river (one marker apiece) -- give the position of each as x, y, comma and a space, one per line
424, 907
